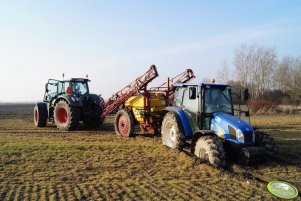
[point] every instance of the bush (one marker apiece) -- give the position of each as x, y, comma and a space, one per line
262, 107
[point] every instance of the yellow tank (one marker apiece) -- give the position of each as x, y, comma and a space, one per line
137, 103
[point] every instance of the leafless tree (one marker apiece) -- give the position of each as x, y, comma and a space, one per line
223, 74
254, 67
288, 76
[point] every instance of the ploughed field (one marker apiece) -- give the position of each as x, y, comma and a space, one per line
48, 164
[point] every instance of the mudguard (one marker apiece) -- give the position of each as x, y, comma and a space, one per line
95, 99
182, 120
72, 100
185, 126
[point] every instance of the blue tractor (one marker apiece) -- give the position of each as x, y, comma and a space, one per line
203, 120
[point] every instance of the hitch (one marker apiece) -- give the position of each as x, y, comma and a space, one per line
253, 155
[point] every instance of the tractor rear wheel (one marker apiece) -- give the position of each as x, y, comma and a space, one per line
170, 132
40, 115
266, 142
66, 117
210, 148
124, 123
95, 121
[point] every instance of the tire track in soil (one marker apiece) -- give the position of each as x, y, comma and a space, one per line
11, 193
231, 172
61, 195
20, 192
95, 188
4, 190
28, 191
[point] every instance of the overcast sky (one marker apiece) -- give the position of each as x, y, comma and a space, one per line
115, 41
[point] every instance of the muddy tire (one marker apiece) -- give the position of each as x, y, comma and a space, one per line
170, 132
124, 123
210, 149
66, 117
40, 115
266, 142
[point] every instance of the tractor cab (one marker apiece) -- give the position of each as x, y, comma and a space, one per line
75, 86
210, 106
215, 99
205, 101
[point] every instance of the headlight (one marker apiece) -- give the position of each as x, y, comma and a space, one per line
240, 136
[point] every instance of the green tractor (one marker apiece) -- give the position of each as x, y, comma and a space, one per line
68, 102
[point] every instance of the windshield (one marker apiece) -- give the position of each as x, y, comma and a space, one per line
80, 88
217, 100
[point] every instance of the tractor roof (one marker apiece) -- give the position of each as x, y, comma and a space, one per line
79, 80
199, 84
72, 80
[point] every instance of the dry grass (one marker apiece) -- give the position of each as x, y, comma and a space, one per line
46, 164
286, 130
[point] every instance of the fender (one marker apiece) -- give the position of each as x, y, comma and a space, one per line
72, 100
97, 100
93, 98
182, 120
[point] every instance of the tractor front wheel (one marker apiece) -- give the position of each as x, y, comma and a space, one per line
266, 142
124, 123
66, 117
210, 149
40, 115
170, 132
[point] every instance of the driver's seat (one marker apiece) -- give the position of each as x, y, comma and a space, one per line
69, 90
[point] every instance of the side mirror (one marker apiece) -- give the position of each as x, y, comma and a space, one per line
192, 93
246, 94
46, 88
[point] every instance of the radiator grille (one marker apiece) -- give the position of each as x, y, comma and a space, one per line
248, 136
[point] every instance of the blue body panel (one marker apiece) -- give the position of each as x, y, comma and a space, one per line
183, 119
185, 122
220, 124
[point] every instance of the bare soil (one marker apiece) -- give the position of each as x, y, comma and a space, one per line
48, 164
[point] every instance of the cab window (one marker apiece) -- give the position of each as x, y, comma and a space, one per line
80, 88
190, 104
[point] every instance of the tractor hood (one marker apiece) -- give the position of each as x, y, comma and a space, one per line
232, 128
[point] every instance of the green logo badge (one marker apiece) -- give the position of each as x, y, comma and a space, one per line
282, 189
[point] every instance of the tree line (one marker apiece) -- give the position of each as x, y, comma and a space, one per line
267, 77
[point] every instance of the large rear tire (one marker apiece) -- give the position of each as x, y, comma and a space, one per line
95, 121
124, 123
210, 149
266, 142
66, 117
40, 115
170, 132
